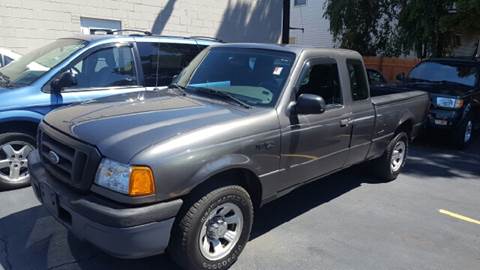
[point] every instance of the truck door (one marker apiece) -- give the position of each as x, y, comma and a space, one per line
317, 144
363, 115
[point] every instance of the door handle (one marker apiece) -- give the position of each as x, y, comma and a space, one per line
345, 122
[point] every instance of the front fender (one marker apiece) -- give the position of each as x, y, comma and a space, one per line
223, 164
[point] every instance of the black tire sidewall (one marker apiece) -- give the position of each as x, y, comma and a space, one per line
459, 135
382, 166
402, 136
231, 194
10, 137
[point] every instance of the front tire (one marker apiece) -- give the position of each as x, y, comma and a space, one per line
463, 136
390, 164
212, 229
14, 150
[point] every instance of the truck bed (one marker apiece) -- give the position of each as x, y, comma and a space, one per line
391, 111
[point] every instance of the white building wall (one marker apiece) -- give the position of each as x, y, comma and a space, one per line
28, 24
310, 17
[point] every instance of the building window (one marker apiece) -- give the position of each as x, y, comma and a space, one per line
299, 2
89, 25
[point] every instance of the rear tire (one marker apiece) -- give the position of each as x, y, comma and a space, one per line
390, 164
14, 150
212, 229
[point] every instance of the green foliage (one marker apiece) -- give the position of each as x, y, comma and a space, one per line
466, 19
363, 25
392, 27
420, 27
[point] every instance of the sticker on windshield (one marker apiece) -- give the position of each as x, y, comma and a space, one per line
277, 71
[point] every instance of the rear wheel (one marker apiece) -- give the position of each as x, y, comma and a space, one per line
211, 231
14, 151
389, 165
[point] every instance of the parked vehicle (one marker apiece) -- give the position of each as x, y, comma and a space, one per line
7, 56
375, 77
185, 168
78, 69
453, 84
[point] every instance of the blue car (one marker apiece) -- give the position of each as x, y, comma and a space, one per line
78, 69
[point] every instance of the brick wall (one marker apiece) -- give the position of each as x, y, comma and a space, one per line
391, 66
28, 24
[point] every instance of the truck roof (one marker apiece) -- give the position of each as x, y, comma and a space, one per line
293, 48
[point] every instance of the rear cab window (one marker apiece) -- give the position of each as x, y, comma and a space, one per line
358, 80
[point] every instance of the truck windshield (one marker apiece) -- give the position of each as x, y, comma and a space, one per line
30, 67
445, 73
253, 76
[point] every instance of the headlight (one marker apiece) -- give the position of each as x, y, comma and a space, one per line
125, 179
451, 103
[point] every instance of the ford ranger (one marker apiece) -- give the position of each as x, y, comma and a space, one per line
183, 169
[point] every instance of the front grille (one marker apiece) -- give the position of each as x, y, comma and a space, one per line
73, 163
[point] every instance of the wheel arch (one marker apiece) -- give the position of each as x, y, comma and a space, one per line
213, 175
405, 125
29, 126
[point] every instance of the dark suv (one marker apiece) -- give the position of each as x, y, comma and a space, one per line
453, 84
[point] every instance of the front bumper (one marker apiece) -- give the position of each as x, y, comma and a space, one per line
120, 231
444, 119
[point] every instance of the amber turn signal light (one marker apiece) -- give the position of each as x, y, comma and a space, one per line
141, 181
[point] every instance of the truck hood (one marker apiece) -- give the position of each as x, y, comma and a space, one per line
441, 89
123, 125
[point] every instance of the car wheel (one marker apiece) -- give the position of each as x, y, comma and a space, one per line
211, 232
14, 150
464, 135
390, 164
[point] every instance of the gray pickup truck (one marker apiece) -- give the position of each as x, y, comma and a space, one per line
182, 169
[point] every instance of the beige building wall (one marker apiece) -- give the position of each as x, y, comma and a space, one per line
28, 24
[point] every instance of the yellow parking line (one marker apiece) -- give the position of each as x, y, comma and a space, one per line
458, 216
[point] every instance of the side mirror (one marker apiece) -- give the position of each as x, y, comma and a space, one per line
65, 79
310, 104
400, 77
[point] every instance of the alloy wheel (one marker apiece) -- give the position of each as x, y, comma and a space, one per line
14, 162
221, 231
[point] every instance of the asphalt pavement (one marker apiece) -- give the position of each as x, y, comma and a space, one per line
345, 221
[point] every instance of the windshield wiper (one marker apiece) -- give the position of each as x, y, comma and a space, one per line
418, 80
222, 94
450, 82
178, 87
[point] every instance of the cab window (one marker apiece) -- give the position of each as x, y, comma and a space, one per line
162, 61
358, 81
322, 79
107, 67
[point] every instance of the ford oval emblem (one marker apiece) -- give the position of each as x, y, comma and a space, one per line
53, 157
